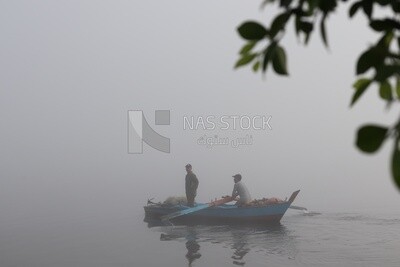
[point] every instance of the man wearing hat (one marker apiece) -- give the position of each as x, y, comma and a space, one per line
239, 189
191, 184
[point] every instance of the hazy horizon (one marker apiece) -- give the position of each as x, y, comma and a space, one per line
71, 70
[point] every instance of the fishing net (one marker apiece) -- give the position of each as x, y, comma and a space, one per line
175, 201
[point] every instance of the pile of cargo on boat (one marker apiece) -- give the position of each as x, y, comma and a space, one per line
264, 202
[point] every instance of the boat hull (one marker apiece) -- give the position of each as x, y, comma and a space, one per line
225, 214
222, 214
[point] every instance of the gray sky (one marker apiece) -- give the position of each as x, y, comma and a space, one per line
70, 70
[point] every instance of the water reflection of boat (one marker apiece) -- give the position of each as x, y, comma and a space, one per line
274, 241
223, 214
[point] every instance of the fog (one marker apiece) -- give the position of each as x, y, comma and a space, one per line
70, 71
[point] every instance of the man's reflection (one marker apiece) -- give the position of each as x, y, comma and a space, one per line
240, 247
192, 246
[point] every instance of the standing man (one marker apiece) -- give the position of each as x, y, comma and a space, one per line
239, 189
191, 184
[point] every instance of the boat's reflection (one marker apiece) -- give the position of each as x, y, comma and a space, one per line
275, 241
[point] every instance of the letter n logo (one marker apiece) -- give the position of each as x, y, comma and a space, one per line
139, 130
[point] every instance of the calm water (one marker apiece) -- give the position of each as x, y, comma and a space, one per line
123, 239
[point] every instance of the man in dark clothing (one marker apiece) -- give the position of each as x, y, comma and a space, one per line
191, 184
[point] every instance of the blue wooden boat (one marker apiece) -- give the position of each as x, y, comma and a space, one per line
223, 214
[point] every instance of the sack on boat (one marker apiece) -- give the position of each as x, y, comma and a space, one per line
175, 201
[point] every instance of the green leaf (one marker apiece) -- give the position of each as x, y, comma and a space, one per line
247, 47
361, 86
299, 12
385, 90
285, 3
379, 25
312, 4
327, 6
279, 61
297, 25
354, 8
396, 6
386, 71
307, 37
384, 25
384, 42
256, 66
398, 87
306, 26
251, 30
383, 2
362, 82
323, 31
370, 58
279, 23
244, 60
268, 55
364, 62
396, 162
371, 137
367, 6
